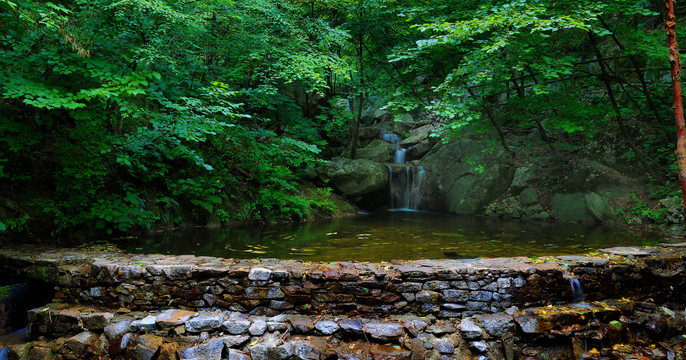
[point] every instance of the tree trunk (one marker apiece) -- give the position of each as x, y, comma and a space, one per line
675, 61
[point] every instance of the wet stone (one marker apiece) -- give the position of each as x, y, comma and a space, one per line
235, 341
327, 327
281, 352
444, 346
147, 324
384, 331
426, 296
258, 328
116, 330
259, 274
146, 346
211, 350
172, 317
96, 321
204, 322
302, 325
81, 342
479, 346
415, 327
470, 330
276, 326
352, 326
497, 324
440, 328
236, 326
304, 350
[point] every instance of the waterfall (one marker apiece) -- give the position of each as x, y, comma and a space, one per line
405, 184
399, 157
405, 187
577, 292
4, 353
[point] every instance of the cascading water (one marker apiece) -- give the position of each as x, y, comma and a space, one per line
577, 292
406, 187
404, 182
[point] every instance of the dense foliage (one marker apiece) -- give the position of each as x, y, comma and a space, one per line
118, 114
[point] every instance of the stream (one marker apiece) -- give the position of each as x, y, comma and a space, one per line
389, 235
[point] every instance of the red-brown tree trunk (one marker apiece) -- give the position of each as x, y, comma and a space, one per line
675, 62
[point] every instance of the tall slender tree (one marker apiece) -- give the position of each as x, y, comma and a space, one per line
675, 62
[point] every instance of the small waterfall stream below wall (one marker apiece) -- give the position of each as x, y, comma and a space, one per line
404, 180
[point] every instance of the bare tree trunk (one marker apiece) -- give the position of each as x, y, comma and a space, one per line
675, 61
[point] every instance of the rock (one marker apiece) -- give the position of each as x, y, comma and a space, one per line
352, 326
629, 251
258, 328
173, 317
259, 273
497, 325
116, 330
440, 328
469, 329
259, 352
67, 321
570, 207
528, 197
369, 132
383, 331
302, 325
204, 322
235, 341
426, 296
377, 151
445, 346
463, 179
281, 352
422, 148
147, 324
96, 321
146, 346
480, 346
355, 177
80, 343
326, 327
599, 208
417, 135
236, 326
168, 351
524, 177
304, 350
211, 350
237, 355
583, 260
403, 123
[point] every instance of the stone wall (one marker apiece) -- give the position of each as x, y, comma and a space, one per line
444, 288
113, 305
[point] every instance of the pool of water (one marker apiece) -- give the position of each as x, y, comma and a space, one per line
389, 235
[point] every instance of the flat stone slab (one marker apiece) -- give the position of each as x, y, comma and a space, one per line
677, 245
582, 260
629, 251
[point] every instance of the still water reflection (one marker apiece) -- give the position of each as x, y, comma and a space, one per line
384, 236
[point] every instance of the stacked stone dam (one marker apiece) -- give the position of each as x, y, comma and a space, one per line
166, 307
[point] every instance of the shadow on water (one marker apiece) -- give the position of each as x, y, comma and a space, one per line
388, 235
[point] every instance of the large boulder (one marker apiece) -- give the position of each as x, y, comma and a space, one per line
417, 135
582, 207
356, 177
377, 151
464, 177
